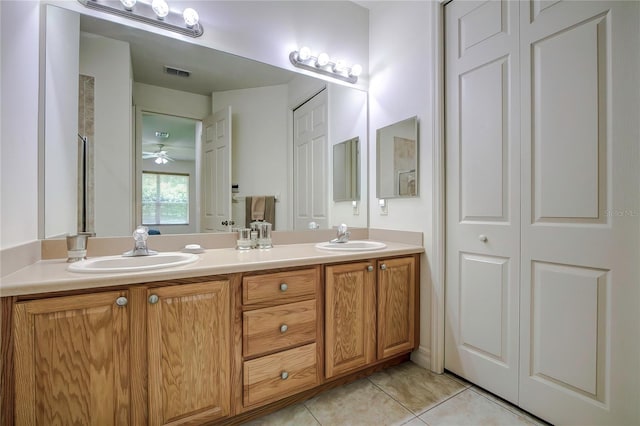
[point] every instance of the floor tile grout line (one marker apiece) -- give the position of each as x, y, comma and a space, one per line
506, 405
428, 409
304, 404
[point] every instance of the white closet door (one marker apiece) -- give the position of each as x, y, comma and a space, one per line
310, 180
580, 286
483, 203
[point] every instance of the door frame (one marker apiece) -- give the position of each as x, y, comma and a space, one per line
139, 110
438, 196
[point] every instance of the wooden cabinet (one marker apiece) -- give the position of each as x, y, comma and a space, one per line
71, 358
189, 353
281, 338
350, 317
369, 316
396, 306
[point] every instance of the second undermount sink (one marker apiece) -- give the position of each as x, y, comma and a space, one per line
354, 245
108, 264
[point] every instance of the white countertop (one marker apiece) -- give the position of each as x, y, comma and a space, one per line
52, 275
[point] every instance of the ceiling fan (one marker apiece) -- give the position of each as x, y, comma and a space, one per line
161, 156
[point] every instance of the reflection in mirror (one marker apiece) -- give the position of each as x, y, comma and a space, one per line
346, 170
127, 70
397, 160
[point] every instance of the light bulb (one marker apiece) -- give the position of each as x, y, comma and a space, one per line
304, 53
160, 8
338, 66
128, 4
158, 160
356, 70
191, 17
323, 59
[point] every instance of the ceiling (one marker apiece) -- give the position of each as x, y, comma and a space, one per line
211, 70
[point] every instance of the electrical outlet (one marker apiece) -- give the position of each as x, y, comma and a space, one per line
384, 207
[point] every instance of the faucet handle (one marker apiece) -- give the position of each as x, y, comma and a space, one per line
342, 229
141, 233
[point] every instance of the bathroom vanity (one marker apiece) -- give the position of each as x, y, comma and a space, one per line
227, 338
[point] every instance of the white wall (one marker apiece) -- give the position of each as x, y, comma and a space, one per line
60, 128
109, 62
259, 146
171, 102
347, 120
19, 57
400, 60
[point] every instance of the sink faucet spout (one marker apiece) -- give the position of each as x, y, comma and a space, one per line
140, 236
343, 234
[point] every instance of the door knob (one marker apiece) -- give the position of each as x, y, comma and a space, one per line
370, 268
283, 287
283, 328
284, 375
383, 267
153, 299
483, 238
122, 301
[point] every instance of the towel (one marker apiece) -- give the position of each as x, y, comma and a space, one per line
269, 214
257, 208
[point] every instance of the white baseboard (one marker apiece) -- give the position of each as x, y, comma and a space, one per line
422, 357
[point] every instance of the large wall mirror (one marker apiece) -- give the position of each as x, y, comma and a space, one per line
397, 160
142, 101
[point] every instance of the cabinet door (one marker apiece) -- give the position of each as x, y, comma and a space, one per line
396, 306
350, 316
189, 353
72, 360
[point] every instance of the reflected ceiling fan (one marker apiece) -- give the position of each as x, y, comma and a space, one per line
161, 156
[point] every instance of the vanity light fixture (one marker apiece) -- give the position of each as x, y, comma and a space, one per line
324, 65
155, 12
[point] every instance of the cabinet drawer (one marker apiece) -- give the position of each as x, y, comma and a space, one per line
278, 327
279, 375
279, 286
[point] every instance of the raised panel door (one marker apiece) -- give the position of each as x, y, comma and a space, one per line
72, 360
396, 306
350, 317
189, 353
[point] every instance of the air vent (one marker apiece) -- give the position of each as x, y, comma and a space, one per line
177, 71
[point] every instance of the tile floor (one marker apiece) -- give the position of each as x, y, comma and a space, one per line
403, 395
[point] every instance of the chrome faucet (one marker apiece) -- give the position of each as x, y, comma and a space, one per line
343, 234
140, 235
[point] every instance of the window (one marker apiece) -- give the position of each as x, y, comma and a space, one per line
165, 199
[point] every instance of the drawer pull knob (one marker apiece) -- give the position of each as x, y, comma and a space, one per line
483, 238
370, 268
383, 267
284, 375
284, 287
122, 301
283, 328
153, 299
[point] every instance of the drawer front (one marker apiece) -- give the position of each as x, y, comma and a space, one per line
281, 374
278, 327
280, 286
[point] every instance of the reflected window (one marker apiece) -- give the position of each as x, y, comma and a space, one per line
165, 199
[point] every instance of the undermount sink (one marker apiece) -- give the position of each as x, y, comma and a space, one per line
354, 245
108, 264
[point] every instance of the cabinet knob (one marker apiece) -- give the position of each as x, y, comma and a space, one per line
284, 287
153, 299
284, 328
122, 301
370, 268
383, 267
284, 375
483, 238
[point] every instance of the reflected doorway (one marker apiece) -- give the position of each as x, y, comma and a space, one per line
168, 173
